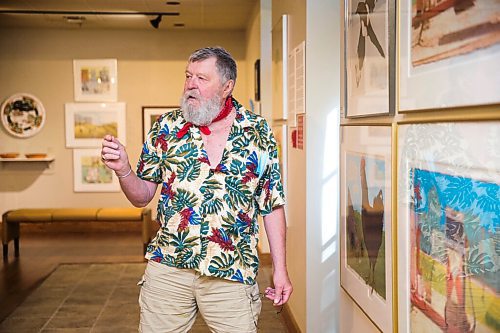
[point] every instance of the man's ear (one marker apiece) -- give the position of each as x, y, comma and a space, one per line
228, 88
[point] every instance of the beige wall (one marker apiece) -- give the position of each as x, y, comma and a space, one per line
296, 182
150, 72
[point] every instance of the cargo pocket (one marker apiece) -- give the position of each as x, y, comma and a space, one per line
255, 302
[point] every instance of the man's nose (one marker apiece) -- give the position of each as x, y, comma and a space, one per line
191, 83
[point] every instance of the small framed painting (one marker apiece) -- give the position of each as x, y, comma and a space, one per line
95, 80
90, 174
150, 114
366, 264
88, 123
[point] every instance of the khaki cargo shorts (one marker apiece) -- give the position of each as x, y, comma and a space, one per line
170, 299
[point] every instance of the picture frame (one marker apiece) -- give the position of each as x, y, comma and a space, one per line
90, 174
88, 123
279, 66
150, 114
456, 48
369, 58
366, 239
95, 80
447, 276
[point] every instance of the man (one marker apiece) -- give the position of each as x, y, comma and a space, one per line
219, 169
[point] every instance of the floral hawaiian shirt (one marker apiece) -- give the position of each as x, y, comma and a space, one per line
208, 214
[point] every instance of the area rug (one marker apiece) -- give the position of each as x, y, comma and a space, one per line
81, 298
100, 298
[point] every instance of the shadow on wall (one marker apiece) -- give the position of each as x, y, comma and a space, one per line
15, 178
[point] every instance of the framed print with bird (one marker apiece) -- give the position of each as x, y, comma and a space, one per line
366, 221
369, 65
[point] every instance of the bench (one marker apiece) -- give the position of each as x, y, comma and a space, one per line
13, 218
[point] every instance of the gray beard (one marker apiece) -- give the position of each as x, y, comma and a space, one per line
202, 115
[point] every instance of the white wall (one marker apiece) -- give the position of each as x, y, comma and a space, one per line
322, 144
150, 72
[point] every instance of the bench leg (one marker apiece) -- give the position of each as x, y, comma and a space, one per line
16, 247
5, 250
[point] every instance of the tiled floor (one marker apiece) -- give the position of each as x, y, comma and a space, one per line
100, 298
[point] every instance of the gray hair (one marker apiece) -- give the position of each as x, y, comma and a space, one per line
226, 66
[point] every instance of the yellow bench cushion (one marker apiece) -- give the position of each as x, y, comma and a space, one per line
74, 214
30, 215
119, 214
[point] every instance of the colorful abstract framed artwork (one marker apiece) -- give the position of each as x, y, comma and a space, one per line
369, 59
88, 123
95, 80
449, 227
449, 53
90, 174
150, 114
366, 222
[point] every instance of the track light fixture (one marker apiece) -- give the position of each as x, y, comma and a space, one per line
156, 22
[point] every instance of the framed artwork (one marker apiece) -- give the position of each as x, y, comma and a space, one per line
370, 30
366, 223
150, 114
449, 227
279, 49
23, 115
90, 174
95, 80
88, 123
453, 44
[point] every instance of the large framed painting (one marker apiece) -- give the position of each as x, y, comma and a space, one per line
90, 174
449, 227
366, 222
449, 53
88, 123
95, 80
150, 114
370, 30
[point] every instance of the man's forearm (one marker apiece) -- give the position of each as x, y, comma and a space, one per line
138, 191
276, 234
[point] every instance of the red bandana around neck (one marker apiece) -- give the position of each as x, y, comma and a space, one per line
228, 106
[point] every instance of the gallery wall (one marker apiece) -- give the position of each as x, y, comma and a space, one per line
40, 62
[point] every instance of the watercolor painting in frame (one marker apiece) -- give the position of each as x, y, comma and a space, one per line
366, 223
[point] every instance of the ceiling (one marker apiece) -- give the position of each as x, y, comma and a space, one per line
116, 14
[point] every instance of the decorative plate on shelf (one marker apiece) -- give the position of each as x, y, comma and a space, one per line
23, 115
36, 155
9, 155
